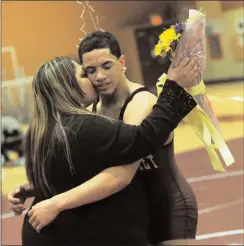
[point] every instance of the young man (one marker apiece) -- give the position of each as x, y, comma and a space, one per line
172, 204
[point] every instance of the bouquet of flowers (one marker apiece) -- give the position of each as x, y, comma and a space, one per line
188, 40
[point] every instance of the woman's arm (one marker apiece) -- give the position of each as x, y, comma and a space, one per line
113, 179
123, 143
115, 142
104, 184
109, 141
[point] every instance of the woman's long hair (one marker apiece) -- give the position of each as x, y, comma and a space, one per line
56, 93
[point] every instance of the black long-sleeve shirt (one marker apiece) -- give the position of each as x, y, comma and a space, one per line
98, 143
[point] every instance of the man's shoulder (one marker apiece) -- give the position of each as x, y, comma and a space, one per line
141, 94
141, 104
142, 97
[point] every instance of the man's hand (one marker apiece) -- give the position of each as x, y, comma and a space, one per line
16, 204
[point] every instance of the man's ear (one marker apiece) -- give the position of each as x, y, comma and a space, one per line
122, 62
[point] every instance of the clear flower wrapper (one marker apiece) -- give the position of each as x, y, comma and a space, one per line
188, 40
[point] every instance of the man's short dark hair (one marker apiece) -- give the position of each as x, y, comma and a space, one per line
99, 40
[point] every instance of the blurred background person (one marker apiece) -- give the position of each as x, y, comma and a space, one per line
11, 139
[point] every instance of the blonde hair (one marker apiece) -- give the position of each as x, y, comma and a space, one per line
56, 93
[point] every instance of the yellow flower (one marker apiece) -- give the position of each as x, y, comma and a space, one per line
166, 38
158, 49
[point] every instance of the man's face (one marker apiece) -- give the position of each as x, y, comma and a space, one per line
103, 69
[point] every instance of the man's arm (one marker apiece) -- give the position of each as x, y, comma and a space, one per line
138, 109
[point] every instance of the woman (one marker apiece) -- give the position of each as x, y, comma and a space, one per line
67, 145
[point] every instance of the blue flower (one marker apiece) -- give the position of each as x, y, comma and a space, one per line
179, 28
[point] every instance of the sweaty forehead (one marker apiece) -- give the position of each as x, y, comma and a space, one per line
97, 57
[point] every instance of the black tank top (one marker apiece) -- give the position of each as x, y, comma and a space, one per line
161, 178
128, 99
150, 162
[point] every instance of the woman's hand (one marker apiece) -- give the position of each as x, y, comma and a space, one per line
43, 213
185, 74
16, 204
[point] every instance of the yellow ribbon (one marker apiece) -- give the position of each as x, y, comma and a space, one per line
199, 89
204, 128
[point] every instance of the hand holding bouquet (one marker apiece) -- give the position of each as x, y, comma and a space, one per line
187, 40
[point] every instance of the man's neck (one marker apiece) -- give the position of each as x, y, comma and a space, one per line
119, 96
